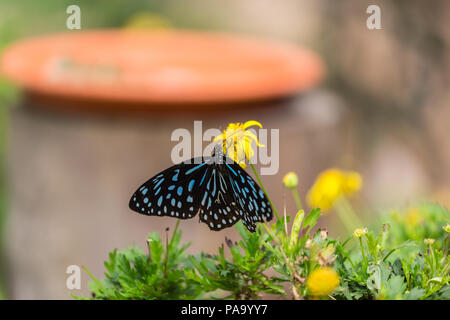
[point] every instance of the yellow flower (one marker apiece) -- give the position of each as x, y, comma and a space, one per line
412, 217
429, 241
322, 281
330, 185
352, 182
237, 141
358, 233
290, 180
446, 228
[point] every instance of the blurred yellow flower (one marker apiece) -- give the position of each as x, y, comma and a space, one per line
290, 180
330, 185
322, 281
412, 217
237, 141
429, 241
147, 20
358, 233
446, 228
352, 182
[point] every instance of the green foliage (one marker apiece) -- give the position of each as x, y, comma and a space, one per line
159, 274
408, 271
242, 276
419, 222
277, 260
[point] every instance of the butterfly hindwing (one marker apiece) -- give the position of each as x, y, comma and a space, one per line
221, 210
250, 197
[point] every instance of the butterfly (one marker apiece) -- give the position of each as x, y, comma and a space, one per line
215, 188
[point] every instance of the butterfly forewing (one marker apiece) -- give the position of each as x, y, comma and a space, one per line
175, 192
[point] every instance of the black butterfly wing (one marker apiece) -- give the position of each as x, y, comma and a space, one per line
221, 193
220, 209
176, 192
250, 198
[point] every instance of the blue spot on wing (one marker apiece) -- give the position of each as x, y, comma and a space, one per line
195, 168
229, 167
191, 185
204, 175
158, 184
175, 177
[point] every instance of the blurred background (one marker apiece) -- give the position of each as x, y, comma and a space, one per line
382, 109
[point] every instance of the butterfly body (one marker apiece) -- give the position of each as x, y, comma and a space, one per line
215, 188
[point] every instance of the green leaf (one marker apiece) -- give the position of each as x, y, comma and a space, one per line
376, 277
414, 294
394, 287
436, 280
311, 218
295, 231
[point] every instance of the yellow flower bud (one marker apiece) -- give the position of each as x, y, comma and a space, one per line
429, 241
290, 180
322, 281
358, 233
446, 228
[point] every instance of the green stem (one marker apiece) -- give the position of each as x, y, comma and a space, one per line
285, 222
175, 230
433, 260
296, 196
350, 210
345, 219
363, 253
445, 269
346, 214
166, 258
262, 187
288, 264
93, 278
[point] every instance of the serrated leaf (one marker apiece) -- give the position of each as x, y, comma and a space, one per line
311, 218
414, 294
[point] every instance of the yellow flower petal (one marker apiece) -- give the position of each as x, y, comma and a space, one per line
322, 281
352, 182
358, 233
330, 185
252, 136
252, 123
237, 141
